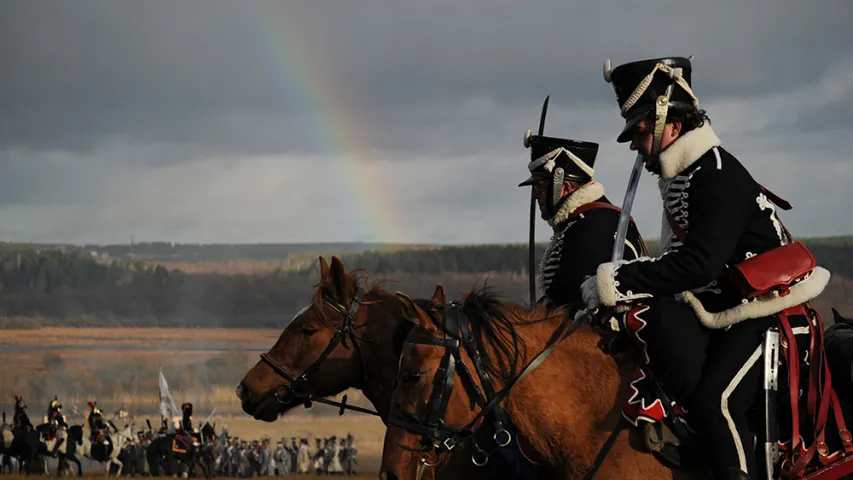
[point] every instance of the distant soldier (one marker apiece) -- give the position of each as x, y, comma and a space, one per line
304, 457
187, 429
267, 458
318, 457
52, 407
21, 420
294, 452
351, 463
282, 460
57, 423
333, 456
97, 425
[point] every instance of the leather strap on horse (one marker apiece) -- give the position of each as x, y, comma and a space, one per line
605, 449
820, 396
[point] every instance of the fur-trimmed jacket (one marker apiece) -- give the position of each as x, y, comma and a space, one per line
726, 218
580, 244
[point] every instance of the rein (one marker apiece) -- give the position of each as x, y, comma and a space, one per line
441, 437
287, 393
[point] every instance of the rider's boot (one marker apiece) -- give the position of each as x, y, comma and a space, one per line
56, 447
730, 474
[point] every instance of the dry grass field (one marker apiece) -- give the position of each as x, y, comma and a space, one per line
118, 367
140, 337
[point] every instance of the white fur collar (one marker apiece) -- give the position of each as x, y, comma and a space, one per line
586, 194
685, 150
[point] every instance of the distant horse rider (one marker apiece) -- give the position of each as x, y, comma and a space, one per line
57, 423
187, 424
21, 420
99, 431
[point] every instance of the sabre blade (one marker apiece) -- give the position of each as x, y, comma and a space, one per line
531, 250
542, 116
625, 214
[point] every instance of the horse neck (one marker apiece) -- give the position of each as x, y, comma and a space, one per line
384, 319
534, 330
577, 360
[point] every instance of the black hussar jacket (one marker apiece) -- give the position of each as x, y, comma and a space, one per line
726, 218
580, 244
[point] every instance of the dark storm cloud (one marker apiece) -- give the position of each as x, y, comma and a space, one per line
196, 120
209, 73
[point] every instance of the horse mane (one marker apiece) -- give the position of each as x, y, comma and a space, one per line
493, 322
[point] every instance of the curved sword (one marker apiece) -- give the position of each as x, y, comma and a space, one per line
531, 251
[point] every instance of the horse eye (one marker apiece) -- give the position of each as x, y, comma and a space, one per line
307, 331
413, 377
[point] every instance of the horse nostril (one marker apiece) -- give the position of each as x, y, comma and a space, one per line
388, 475
242, 392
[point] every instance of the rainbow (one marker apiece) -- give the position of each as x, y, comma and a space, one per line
331, 117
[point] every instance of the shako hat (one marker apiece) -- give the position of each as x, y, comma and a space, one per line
574, 157
639, 84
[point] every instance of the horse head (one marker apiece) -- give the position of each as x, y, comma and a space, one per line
425, 368
327, 346
453, 362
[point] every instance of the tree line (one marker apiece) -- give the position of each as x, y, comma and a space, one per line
52, 287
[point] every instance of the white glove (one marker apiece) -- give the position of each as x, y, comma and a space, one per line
589, 293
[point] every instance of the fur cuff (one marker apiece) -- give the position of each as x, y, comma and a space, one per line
606, 282
763, 307
684, 151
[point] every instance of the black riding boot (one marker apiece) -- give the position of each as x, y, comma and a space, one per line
730, 474
56, 447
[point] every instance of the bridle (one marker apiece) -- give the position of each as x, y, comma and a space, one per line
438, 436
287, 393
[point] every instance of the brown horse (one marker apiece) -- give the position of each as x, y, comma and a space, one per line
340, 341
563, 412
338, 356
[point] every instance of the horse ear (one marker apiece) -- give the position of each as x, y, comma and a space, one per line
411, 309
438, 297
838, 318
324, 269
338, 278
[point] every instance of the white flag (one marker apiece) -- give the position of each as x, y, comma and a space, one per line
168, 408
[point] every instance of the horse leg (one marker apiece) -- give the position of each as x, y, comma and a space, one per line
120, 465
74, 459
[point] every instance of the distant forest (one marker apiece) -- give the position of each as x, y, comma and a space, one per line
74, 287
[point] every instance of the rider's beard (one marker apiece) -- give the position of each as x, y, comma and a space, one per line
652, 165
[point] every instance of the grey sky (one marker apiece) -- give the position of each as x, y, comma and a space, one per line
379, 120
